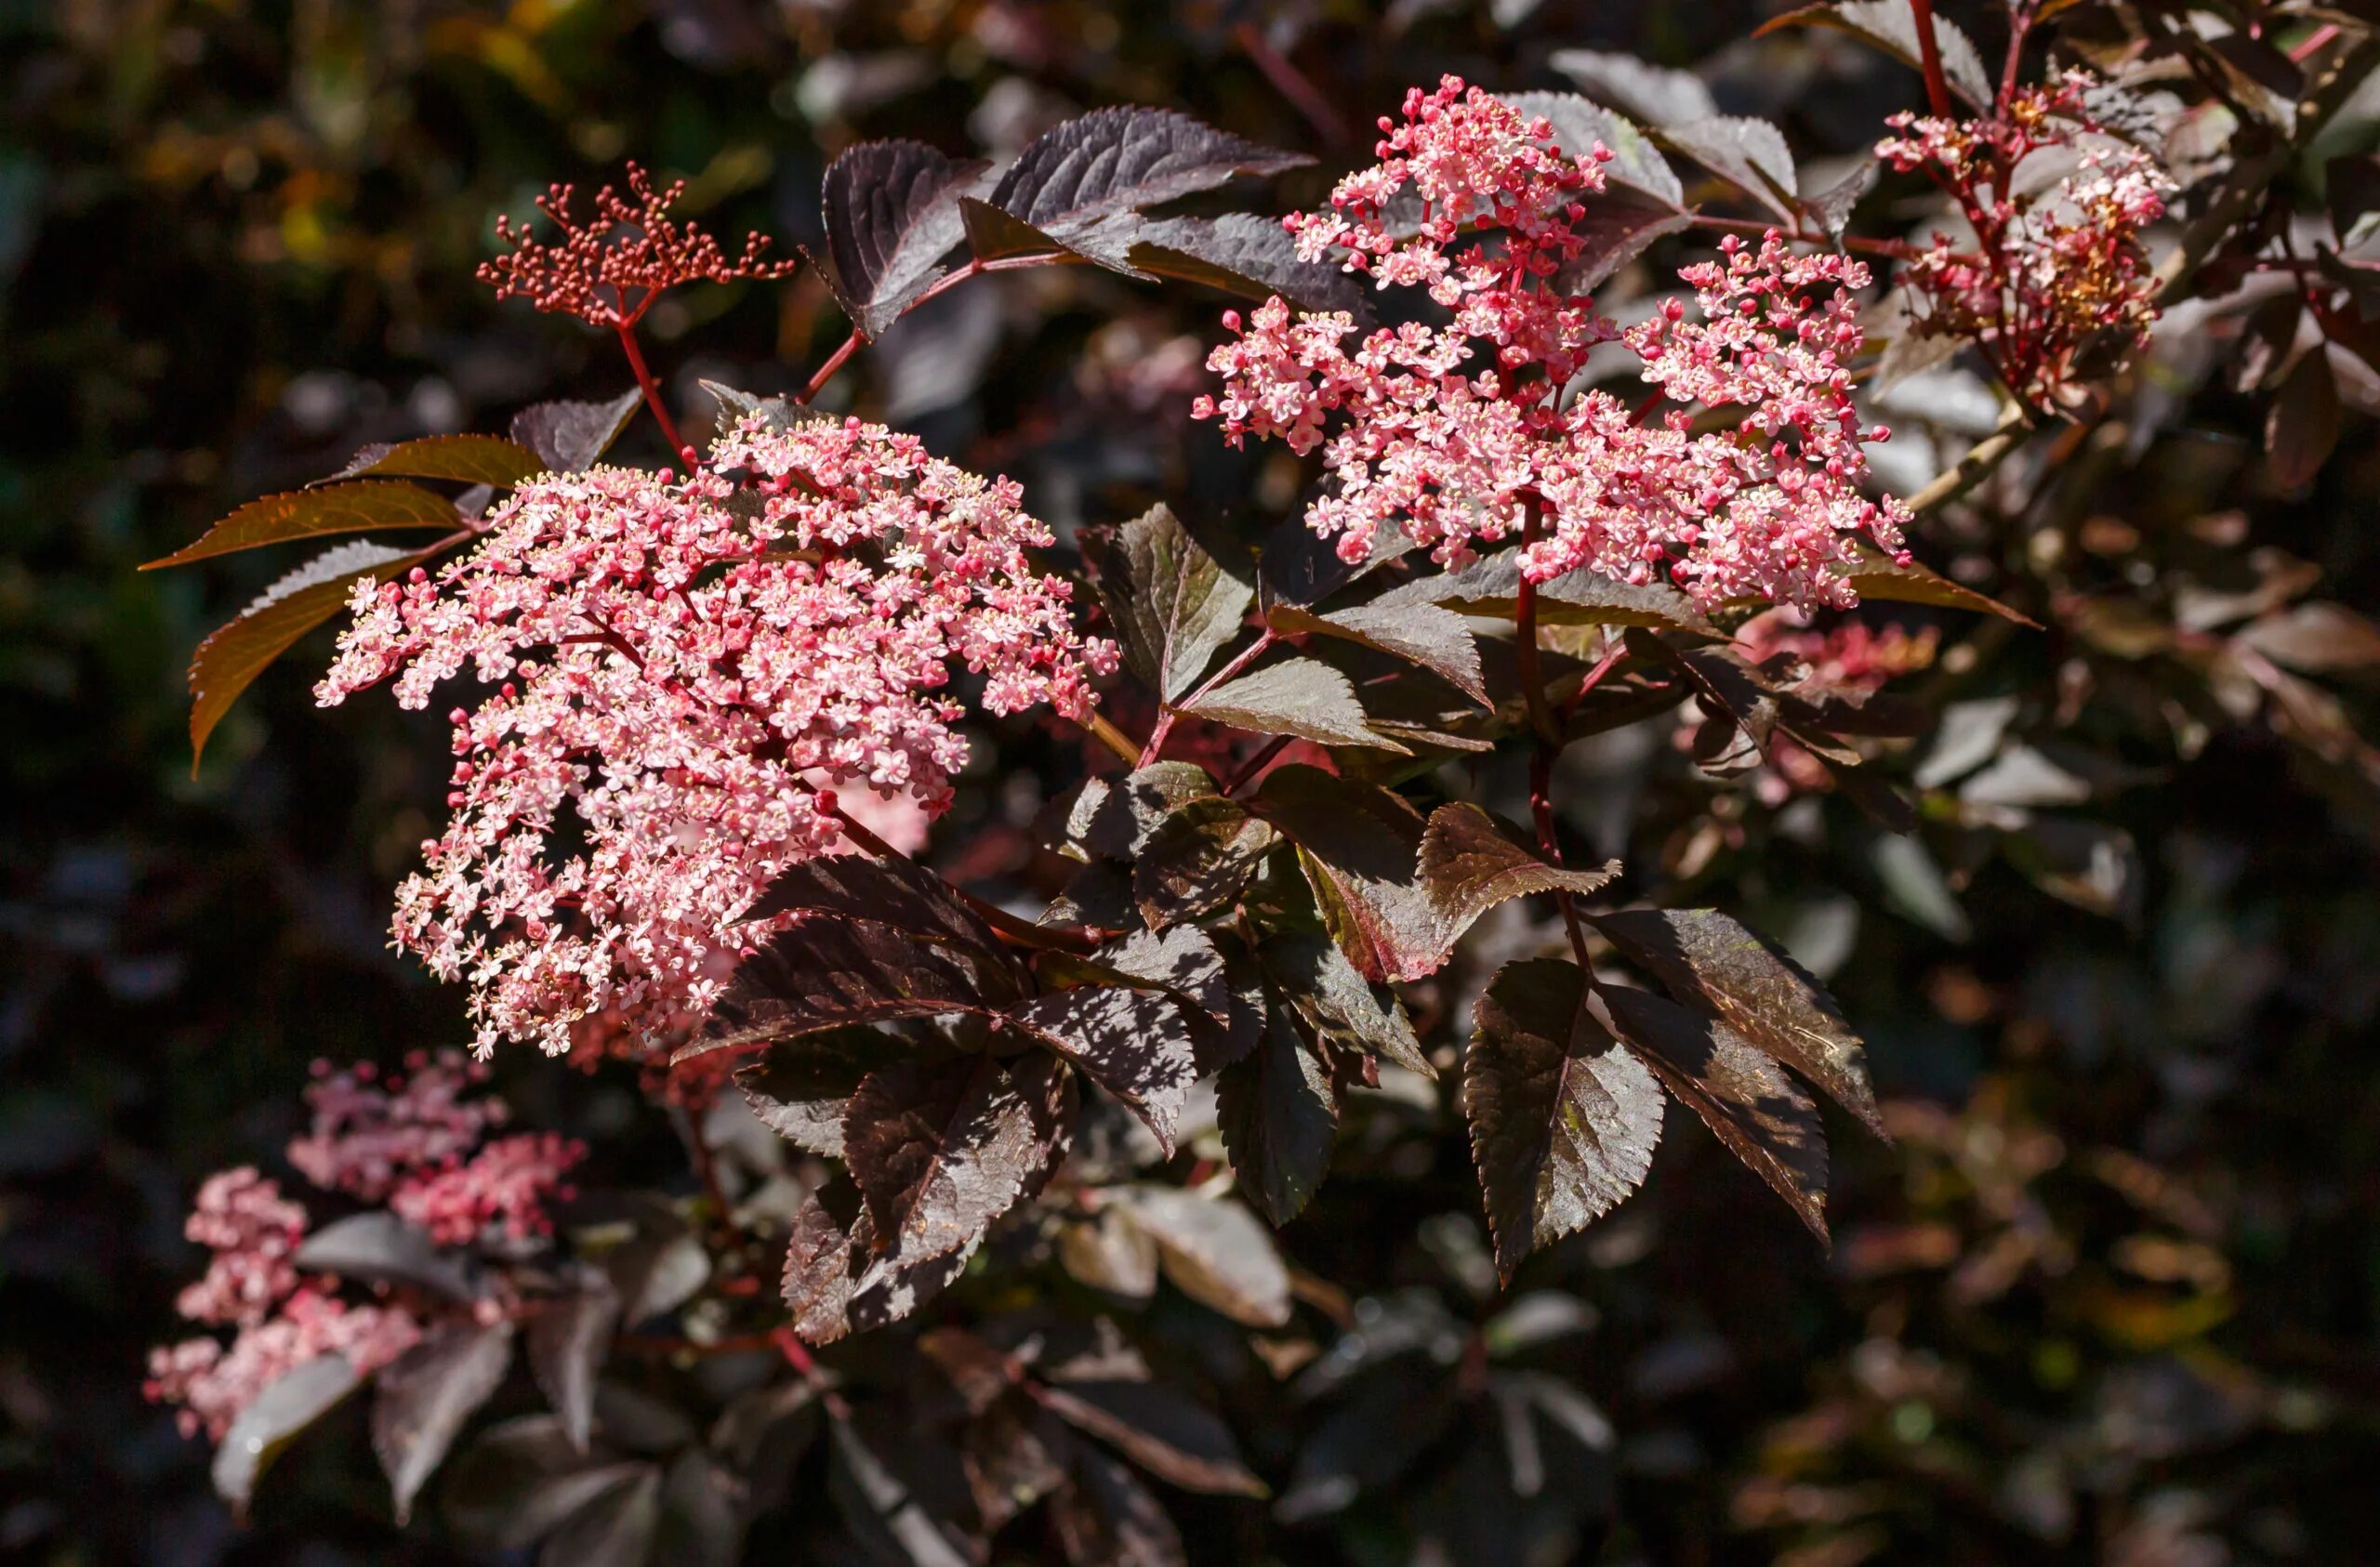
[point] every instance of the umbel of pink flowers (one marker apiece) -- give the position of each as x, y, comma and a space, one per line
676, 662
1472, 431
415, 1143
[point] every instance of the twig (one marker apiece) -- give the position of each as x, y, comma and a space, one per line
652, 389
1929, 55
1170, 711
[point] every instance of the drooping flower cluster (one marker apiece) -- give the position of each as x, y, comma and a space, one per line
1465, 432
672, 658
410, 1142
2054, 270
608, 269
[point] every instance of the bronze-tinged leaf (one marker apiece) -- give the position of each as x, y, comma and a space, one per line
939, 1150
1430, 634
826, 974
1182, 962
1359, 847
1214, 1250
570, 437
2315, 638
425, 1396
1132, 1043
1470, 865
359, 507
1741, 1094
891, 210
1344, 1011
293, 1401
2301, 425
993, 235
1491, 587
1298, 696
799, 1088
1279, 1112
1120, 160
1015, 1454
1197, 860
568, 1341
231, 659
1112, 818
1172, 604
1162, 1430
1104, 1518
1110, 1251
902, 896
817, 1282
467, 460
1563, 1118
1716, 964
1878, 576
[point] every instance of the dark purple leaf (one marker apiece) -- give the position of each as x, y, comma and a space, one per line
1635, 165
378, 1247
1114, 818
1300, 696
1241, 253
1110, 1251
1470, 865
1279, 1112
1132, 1043
569, 437
1214, 1251
1429, 635
1162, 1430
939, 1150
1876, 577
616, 1529
468, 459
798, 1089
891, 215
293, 1401
825, 974
1359, 847
1741, 1094
1172, 605
1342, 1010
1123, 160
568, 1340
900, 896
1491, 587
1652, 95
1104, 1518
1892, 26
2316, 639
1197, 861
902, 1492
1750, 154
1563, 1117
2302, 426
2351, 191
427, 1393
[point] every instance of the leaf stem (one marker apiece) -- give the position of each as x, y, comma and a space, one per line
1170, 711
1929, 54
944, 284
652, 389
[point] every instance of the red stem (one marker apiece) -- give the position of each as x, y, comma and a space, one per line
942, 285
1899, 250
1929, 53
1170, 711
652, 389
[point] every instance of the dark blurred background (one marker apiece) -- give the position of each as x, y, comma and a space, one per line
2111, 1295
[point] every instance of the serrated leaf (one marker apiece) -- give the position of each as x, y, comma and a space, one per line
1164, 1432
1653, 95
228, 662
1491, 587
1750, 154
1112, 818
1214, 1251
1913, 583
1133, 1044
1359, 847
1279, 1112
1172, 605
1104, 1518
568, 1342
1833, 206
1742, 1096
1241, 253
363, 506
1342, 1008
290, 1404
1579, 124
826, 974
1298, 696
1615, 231
1298, 566
427, 1393
467, 460
1892, 26
570, 437
378, 1247
798, 1090
1714, 963
1121, 160
1197, 860
1470, 865
1563, 1118
900, 896
1429, 635
939, 1150
891, 210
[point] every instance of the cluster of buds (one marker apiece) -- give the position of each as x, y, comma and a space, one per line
2052, 278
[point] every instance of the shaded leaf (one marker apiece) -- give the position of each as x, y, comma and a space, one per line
1164, 1432
1370, 1441
1297, 696
1913, 583
1184, 963
1491, 587
825, 974
294, 1401
1214, 1251
234, 654
1429, 635
1241, 253
1342, 1008
1615, 230
1714, 963
1197, 860
615, 1530
1110, 1251
1750, 154
1135, 1044
799, 1088
1298, 566
1652, 95
1120, 160
521, 1480
2317, 639
427, 1393
1015, 1454
702, 1502
659, 1267
1358, 845
1470, 865
568, 1342
570, 437
1740, 1094
1579, 125
939, 1151
1278, 1112
2301, 425
1114, 818
902, 896
1104, 1518
892, 213
902, 1494
378, 1247
468, 459
1892, 26
359, 507
1563, 1117
1172, 605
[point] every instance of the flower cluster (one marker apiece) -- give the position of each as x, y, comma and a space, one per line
410, 1142
608, 269
1464, 432
678, 661
2055, 271
1852, 659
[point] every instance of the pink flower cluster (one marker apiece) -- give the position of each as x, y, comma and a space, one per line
407, 1141
1853, 658
284, 1321
671, 658
2054, 271
1464, 432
